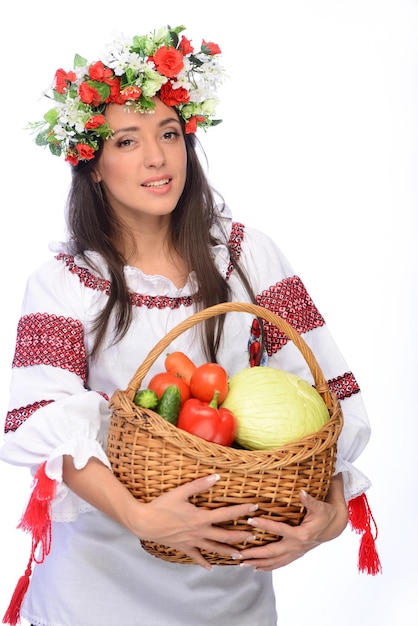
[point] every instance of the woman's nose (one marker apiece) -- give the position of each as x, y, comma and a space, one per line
153, 154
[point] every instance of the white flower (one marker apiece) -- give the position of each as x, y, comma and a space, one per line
159, 36
152, 82
208, 107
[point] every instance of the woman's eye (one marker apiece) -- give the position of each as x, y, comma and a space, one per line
170, 134
125, 142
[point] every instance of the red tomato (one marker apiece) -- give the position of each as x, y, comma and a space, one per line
161, 381
179, 364
205, 421
207, 379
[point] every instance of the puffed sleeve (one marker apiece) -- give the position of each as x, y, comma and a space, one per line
52, 412
278, 288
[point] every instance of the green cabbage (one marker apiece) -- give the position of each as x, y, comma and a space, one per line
273, 407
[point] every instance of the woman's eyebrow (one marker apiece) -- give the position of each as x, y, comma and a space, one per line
130, 129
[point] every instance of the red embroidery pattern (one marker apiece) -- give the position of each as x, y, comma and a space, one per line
91, 281
344, 386
86, 277
291, 301
44, 339
160, 302
15, 418
235, 244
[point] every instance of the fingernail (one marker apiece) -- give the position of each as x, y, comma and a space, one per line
213, 478
246, 565
252, 521
303, 492
253, 508
236, 556
250, 538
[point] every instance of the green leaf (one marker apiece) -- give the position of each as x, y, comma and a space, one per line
56, 150
42, 138
51, 117
79, 61
197, 62
102, 88
146, 102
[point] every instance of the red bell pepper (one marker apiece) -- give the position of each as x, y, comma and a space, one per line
207, 421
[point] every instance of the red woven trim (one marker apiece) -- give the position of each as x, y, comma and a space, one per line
89, 280
344, 386
45, 339
160, 302
17, 417
235, 244
289, 299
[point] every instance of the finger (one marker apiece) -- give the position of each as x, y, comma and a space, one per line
233, 512
281, 529
225, 537
198, 485
308, 501
196, 556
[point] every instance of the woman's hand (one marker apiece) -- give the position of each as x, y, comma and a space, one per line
170, 519
323, 521
173, 521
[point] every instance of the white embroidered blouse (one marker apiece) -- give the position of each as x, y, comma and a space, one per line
96, 572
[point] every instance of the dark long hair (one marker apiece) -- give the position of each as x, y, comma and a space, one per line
93, 226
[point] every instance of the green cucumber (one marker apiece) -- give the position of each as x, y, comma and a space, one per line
169, 405
146, 398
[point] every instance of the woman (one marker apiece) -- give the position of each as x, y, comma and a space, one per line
147, 247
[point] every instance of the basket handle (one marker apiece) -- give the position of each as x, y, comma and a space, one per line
321, 384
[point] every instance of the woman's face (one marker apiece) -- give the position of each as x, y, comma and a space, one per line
142, 168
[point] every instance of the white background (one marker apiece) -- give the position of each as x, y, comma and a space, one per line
319, 148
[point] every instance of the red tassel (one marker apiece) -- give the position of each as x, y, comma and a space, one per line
361, 521
12, 615
36, 520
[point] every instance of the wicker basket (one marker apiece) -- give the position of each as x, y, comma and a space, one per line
151, 456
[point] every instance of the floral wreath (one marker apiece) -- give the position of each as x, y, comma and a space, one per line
131, 73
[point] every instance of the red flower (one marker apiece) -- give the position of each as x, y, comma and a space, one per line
172, 97
191, 125
85, 152
95, 122
71, 157
114, 95
89, 95
62, 79
185, 45
212, 47
130, 93
168, 61
99, 72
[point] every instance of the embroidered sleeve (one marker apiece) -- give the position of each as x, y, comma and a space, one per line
52, 412
280, 290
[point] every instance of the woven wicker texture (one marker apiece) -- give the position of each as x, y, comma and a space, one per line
151, 456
